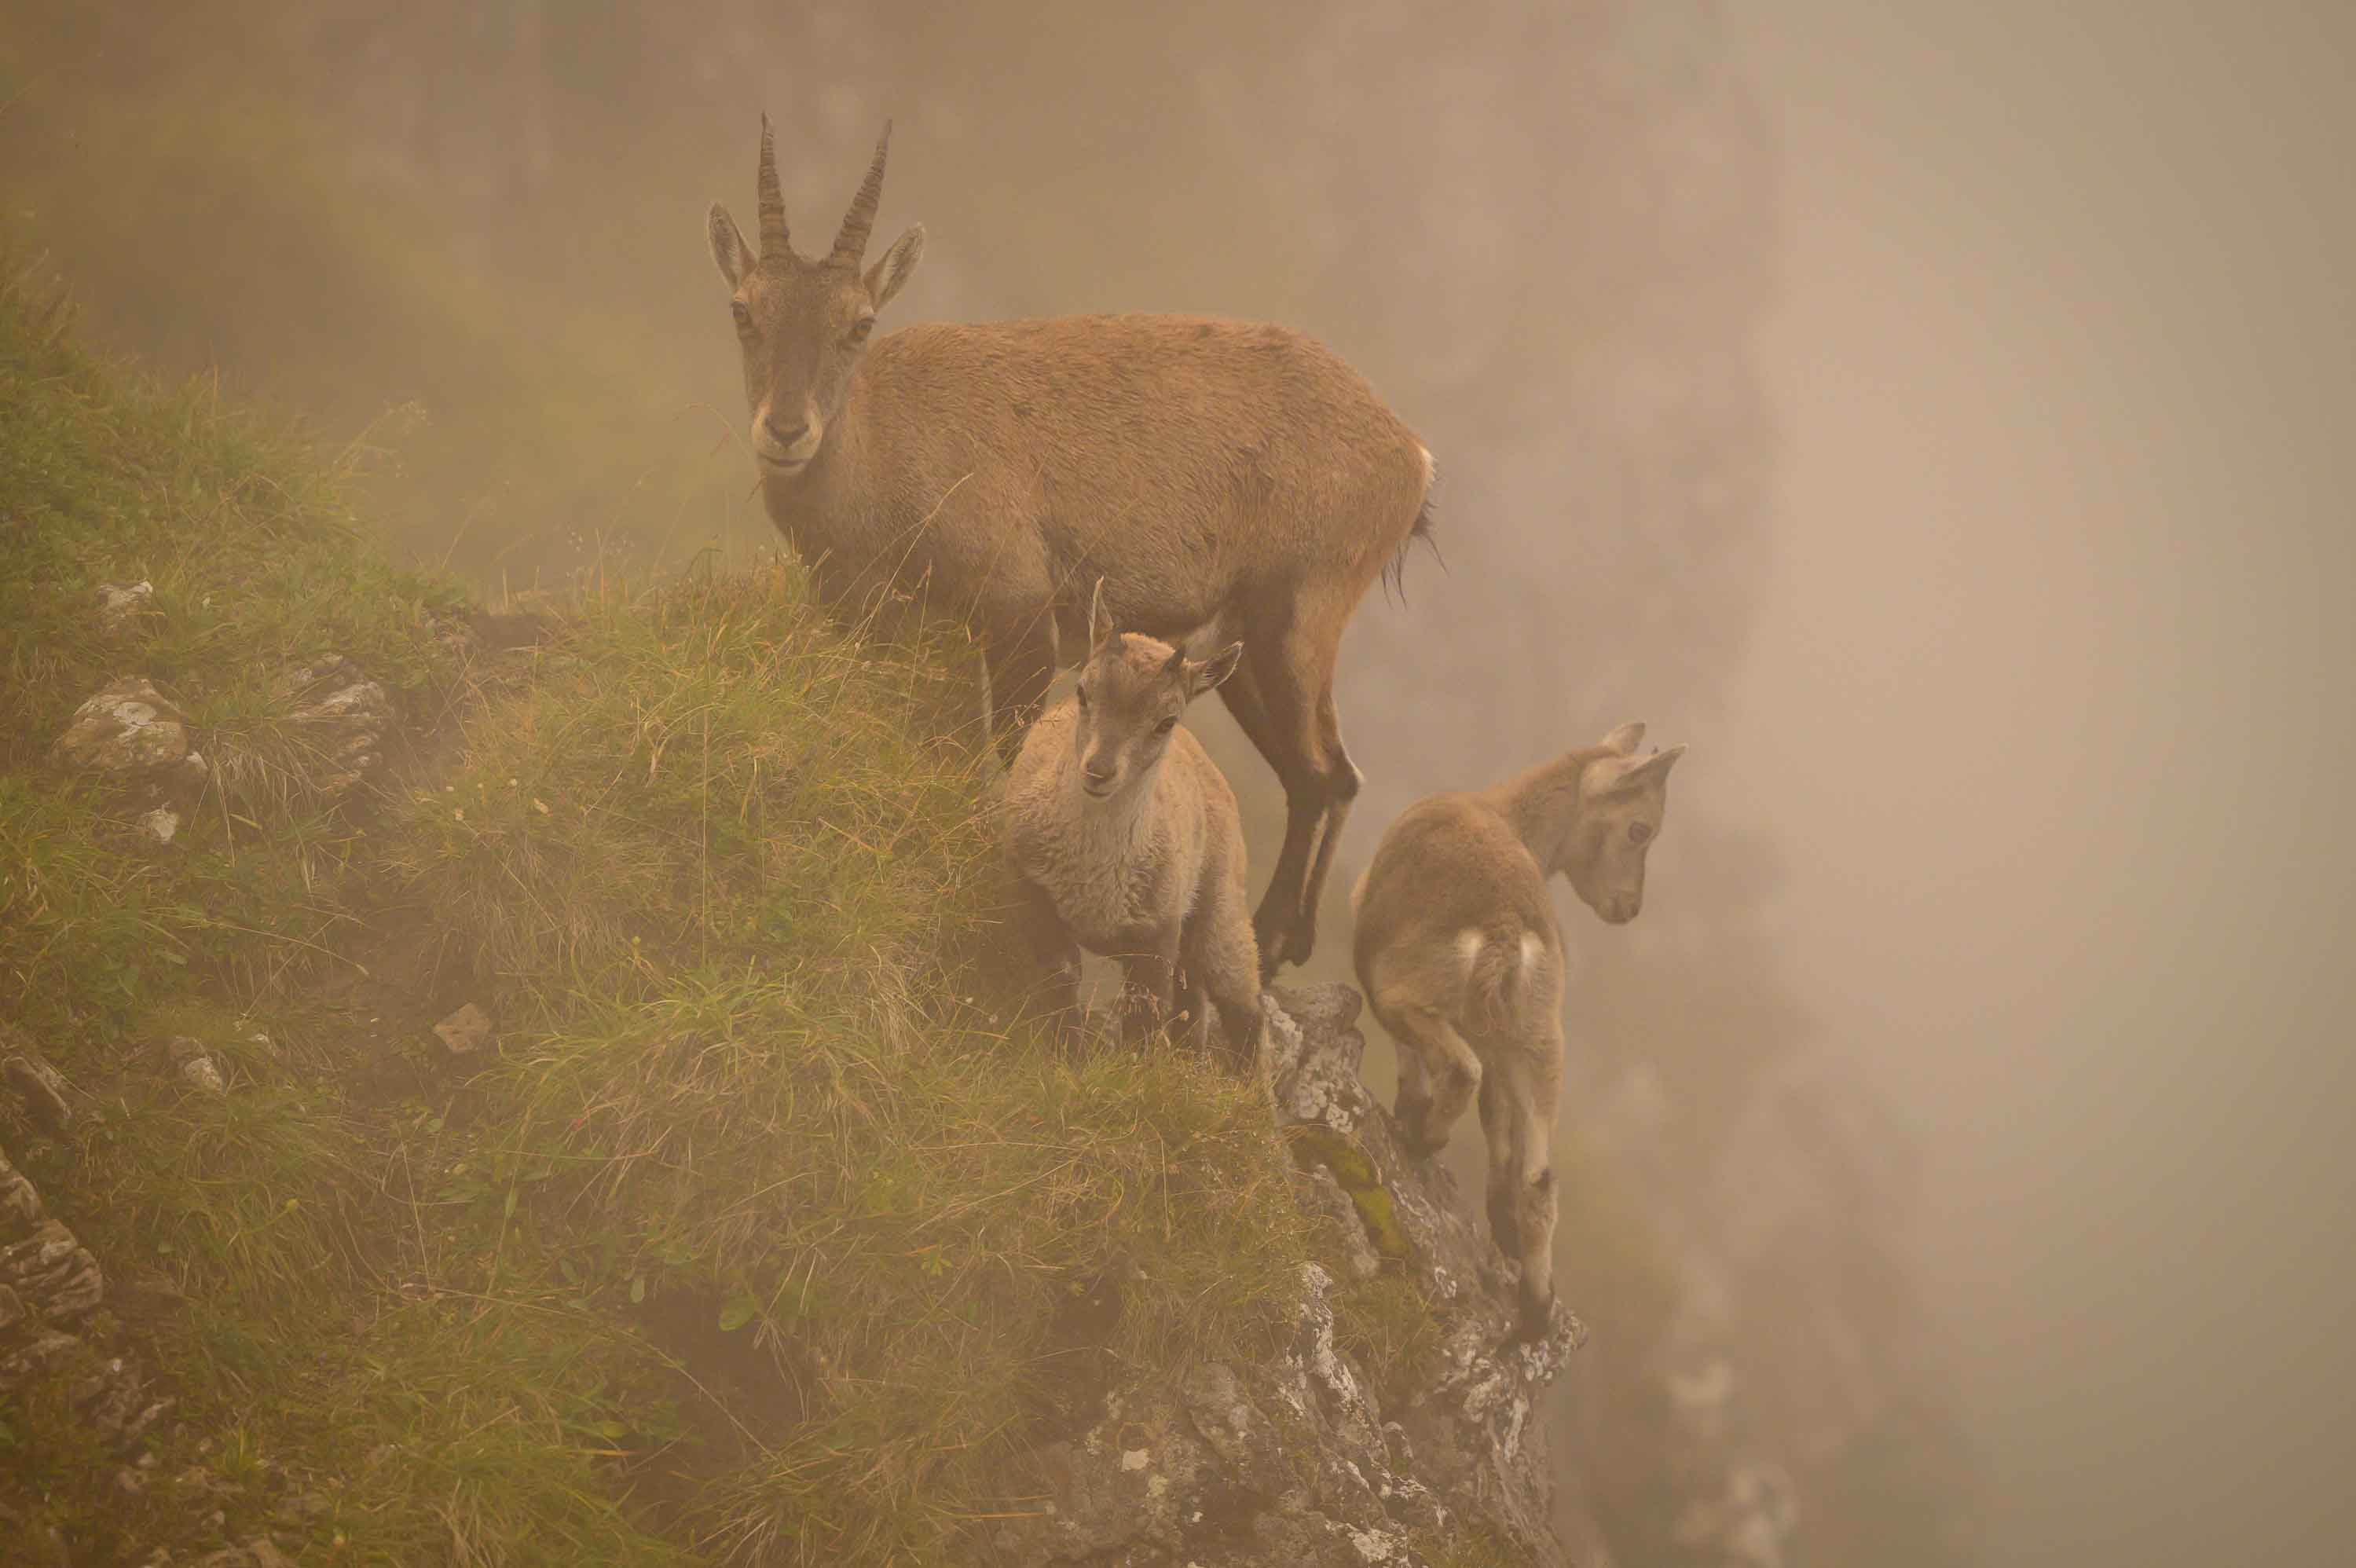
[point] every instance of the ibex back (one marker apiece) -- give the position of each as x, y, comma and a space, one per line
1228, 481
1460, 956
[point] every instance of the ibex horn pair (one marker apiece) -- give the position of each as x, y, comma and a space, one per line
851, 244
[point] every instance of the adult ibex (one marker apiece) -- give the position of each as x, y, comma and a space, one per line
1461, 955
1228, 481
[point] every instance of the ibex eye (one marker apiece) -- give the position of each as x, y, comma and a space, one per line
744, 316
1639, 832
1081, 693
860, 329
1166, 725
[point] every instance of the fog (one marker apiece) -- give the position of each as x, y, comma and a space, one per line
2048, 702
1938, 421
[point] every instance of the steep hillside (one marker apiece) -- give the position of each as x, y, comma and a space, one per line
544, 1086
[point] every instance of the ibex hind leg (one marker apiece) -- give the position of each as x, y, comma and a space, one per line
1282, 698
1534, 1083
1497, 1128
1341, 783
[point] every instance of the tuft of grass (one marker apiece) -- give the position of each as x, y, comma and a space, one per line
258, 564
725, 863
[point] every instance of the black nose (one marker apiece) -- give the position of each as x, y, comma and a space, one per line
783, 437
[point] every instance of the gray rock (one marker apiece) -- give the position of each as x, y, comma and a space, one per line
196, 1065
1296, 1460
1236, 1430
122, 606
41, 1088
346, 717
52, 1273
50, 1287
20, 1206
466, 1031
127, 728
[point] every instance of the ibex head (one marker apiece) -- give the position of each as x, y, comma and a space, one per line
1623, 797
803, 324
1130, 692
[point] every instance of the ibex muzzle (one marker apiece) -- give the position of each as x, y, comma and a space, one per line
1226, 481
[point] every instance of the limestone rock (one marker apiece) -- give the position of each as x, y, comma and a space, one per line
346, 715
466, 1031
122, 606
127, 728
39, 1087
1299, 1459
196, 1065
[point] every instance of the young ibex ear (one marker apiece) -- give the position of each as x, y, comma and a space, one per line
1211, 671
1651, 771
729, 252
897, 266
1625, 739
1099, 622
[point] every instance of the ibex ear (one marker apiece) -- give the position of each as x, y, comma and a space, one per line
1625, 739
1099, 621
1212, 672
897, 266
1648, 772
728, 252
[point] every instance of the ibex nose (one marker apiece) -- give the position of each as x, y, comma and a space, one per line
1099, 773
785, 436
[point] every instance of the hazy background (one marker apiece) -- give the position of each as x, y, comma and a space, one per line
2048, 699
1938, 417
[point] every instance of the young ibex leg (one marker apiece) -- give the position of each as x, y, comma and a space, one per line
1533, 1069
1148, 992
1225, 966
1055, 957
1497, 1128
1449, 1075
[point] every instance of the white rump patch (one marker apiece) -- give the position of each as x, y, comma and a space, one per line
1469, 943
1429, 469
1532, 945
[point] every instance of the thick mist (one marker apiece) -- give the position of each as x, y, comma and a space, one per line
2047, 704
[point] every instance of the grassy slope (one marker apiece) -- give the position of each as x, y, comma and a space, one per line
764, 1229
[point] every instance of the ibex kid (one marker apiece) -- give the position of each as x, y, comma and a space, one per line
1461, 955
1125, 840
1222, 480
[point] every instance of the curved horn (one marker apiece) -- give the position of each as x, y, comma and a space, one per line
773, 200
852, 243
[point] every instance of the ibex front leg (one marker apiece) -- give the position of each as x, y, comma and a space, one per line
1148, 992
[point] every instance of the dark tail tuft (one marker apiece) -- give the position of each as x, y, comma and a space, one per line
1394, 573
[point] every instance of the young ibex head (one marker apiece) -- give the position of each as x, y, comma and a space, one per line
1130, 692
802, 324
1623, 797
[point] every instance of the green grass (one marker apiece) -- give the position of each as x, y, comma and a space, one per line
763, 1235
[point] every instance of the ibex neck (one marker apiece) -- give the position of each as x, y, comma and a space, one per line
1543, 803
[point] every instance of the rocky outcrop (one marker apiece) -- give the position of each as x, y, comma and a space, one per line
1301, 1460
129, 729
342, 715
50, 1288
